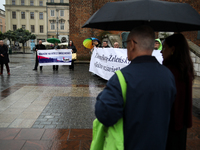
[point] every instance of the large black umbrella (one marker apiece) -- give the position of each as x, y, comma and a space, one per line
160, 15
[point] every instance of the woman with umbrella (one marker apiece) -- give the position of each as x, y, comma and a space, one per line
74, 50
177, 58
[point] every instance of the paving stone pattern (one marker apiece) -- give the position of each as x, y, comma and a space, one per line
67, 112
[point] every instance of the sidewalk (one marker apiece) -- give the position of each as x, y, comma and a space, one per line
46, 109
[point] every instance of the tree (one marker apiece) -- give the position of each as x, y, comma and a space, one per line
10, 35
2, 37
22, 36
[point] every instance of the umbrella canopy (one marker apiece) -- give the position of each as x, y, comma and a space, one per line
88, 42
53, 40
160, 15
46, 43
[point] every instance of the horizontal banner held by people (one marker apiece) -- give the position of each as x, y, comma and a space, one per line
54, 57
105, 61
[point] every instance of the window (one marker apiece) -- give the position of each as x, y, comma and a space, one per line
0, 20
32, 15
41, 15
14, 14
62, 26
32, 28
14, 27
31, 2
1, 28
22, 2
41, 3
23, 15
41, 29
52, 12
52, 1
52, 26
13, 2
24, 27
61, 12
61, 1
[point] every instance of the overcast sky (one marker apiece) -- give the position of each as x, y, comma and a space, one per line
1, 4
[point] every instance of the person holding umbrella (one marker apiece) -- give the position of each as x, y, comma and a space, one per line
149, 98
177, 58
74, 50
56, 46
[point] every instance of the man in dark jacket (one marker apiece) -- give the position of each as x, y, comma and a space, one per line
150, 94
4, 57
105, 44
39, 46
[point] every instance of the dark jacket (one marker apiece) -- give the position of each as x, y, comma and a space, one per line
4, 51
72, 47
181, 114
150, 94
40, 46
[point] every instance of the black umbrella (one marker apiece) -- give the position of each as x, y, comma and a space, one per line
160, 15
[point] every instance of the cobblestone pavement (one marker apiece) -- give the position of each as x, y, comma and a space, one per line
54, 109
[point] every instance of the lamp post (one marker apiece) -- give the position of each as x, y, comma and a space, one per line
57, 10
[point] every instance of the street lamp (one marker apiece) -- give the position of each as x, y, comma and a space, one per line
57, 10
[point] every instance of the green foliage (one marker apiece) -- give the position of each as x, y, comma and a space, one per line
2, 37
10, 35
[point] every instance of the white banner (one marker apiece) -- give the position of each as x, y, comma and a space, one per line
54, 57
105, 61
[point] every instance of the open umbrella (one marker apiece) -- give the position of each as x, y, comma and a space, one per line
160, 15
53, 40
63, 43
88, 42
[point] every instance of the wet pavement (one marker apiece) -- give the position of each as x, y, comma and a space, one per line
54, 109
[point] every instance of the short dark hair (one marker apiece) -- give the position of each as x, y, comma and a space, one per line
106, 41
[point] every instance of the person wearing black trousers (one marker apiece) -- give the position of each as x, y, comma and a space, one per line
40, 46
56, 46
74, 50
4, 59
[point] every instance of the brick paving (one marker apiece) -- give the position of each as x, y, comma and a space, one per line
54, 110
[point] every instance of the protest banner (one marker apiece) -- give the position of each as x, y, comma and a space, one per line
105, 61
54, 57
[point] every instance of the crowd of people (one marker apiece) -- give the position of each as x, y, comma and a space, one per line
40, 46
158, 107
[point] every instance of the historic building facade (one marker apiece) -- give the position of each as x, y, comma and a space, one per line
2, 21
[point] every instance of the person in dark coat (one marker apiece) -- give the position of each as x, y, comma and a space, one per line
177, 58
74, 50
39, 46
56, 46
105, 44
4, 59
149, 97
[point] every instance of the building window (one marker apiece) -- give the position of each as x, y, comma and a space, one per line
22, 2
52, 12
41, 29
61, 1
1, 28
62, 26
32, 28
31, 2
41, 15
61, 12
52, 1
52, 26
41, 3
14, 14
13, 2
24, 27
32, 15
23, 15
14, 27
0, 20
